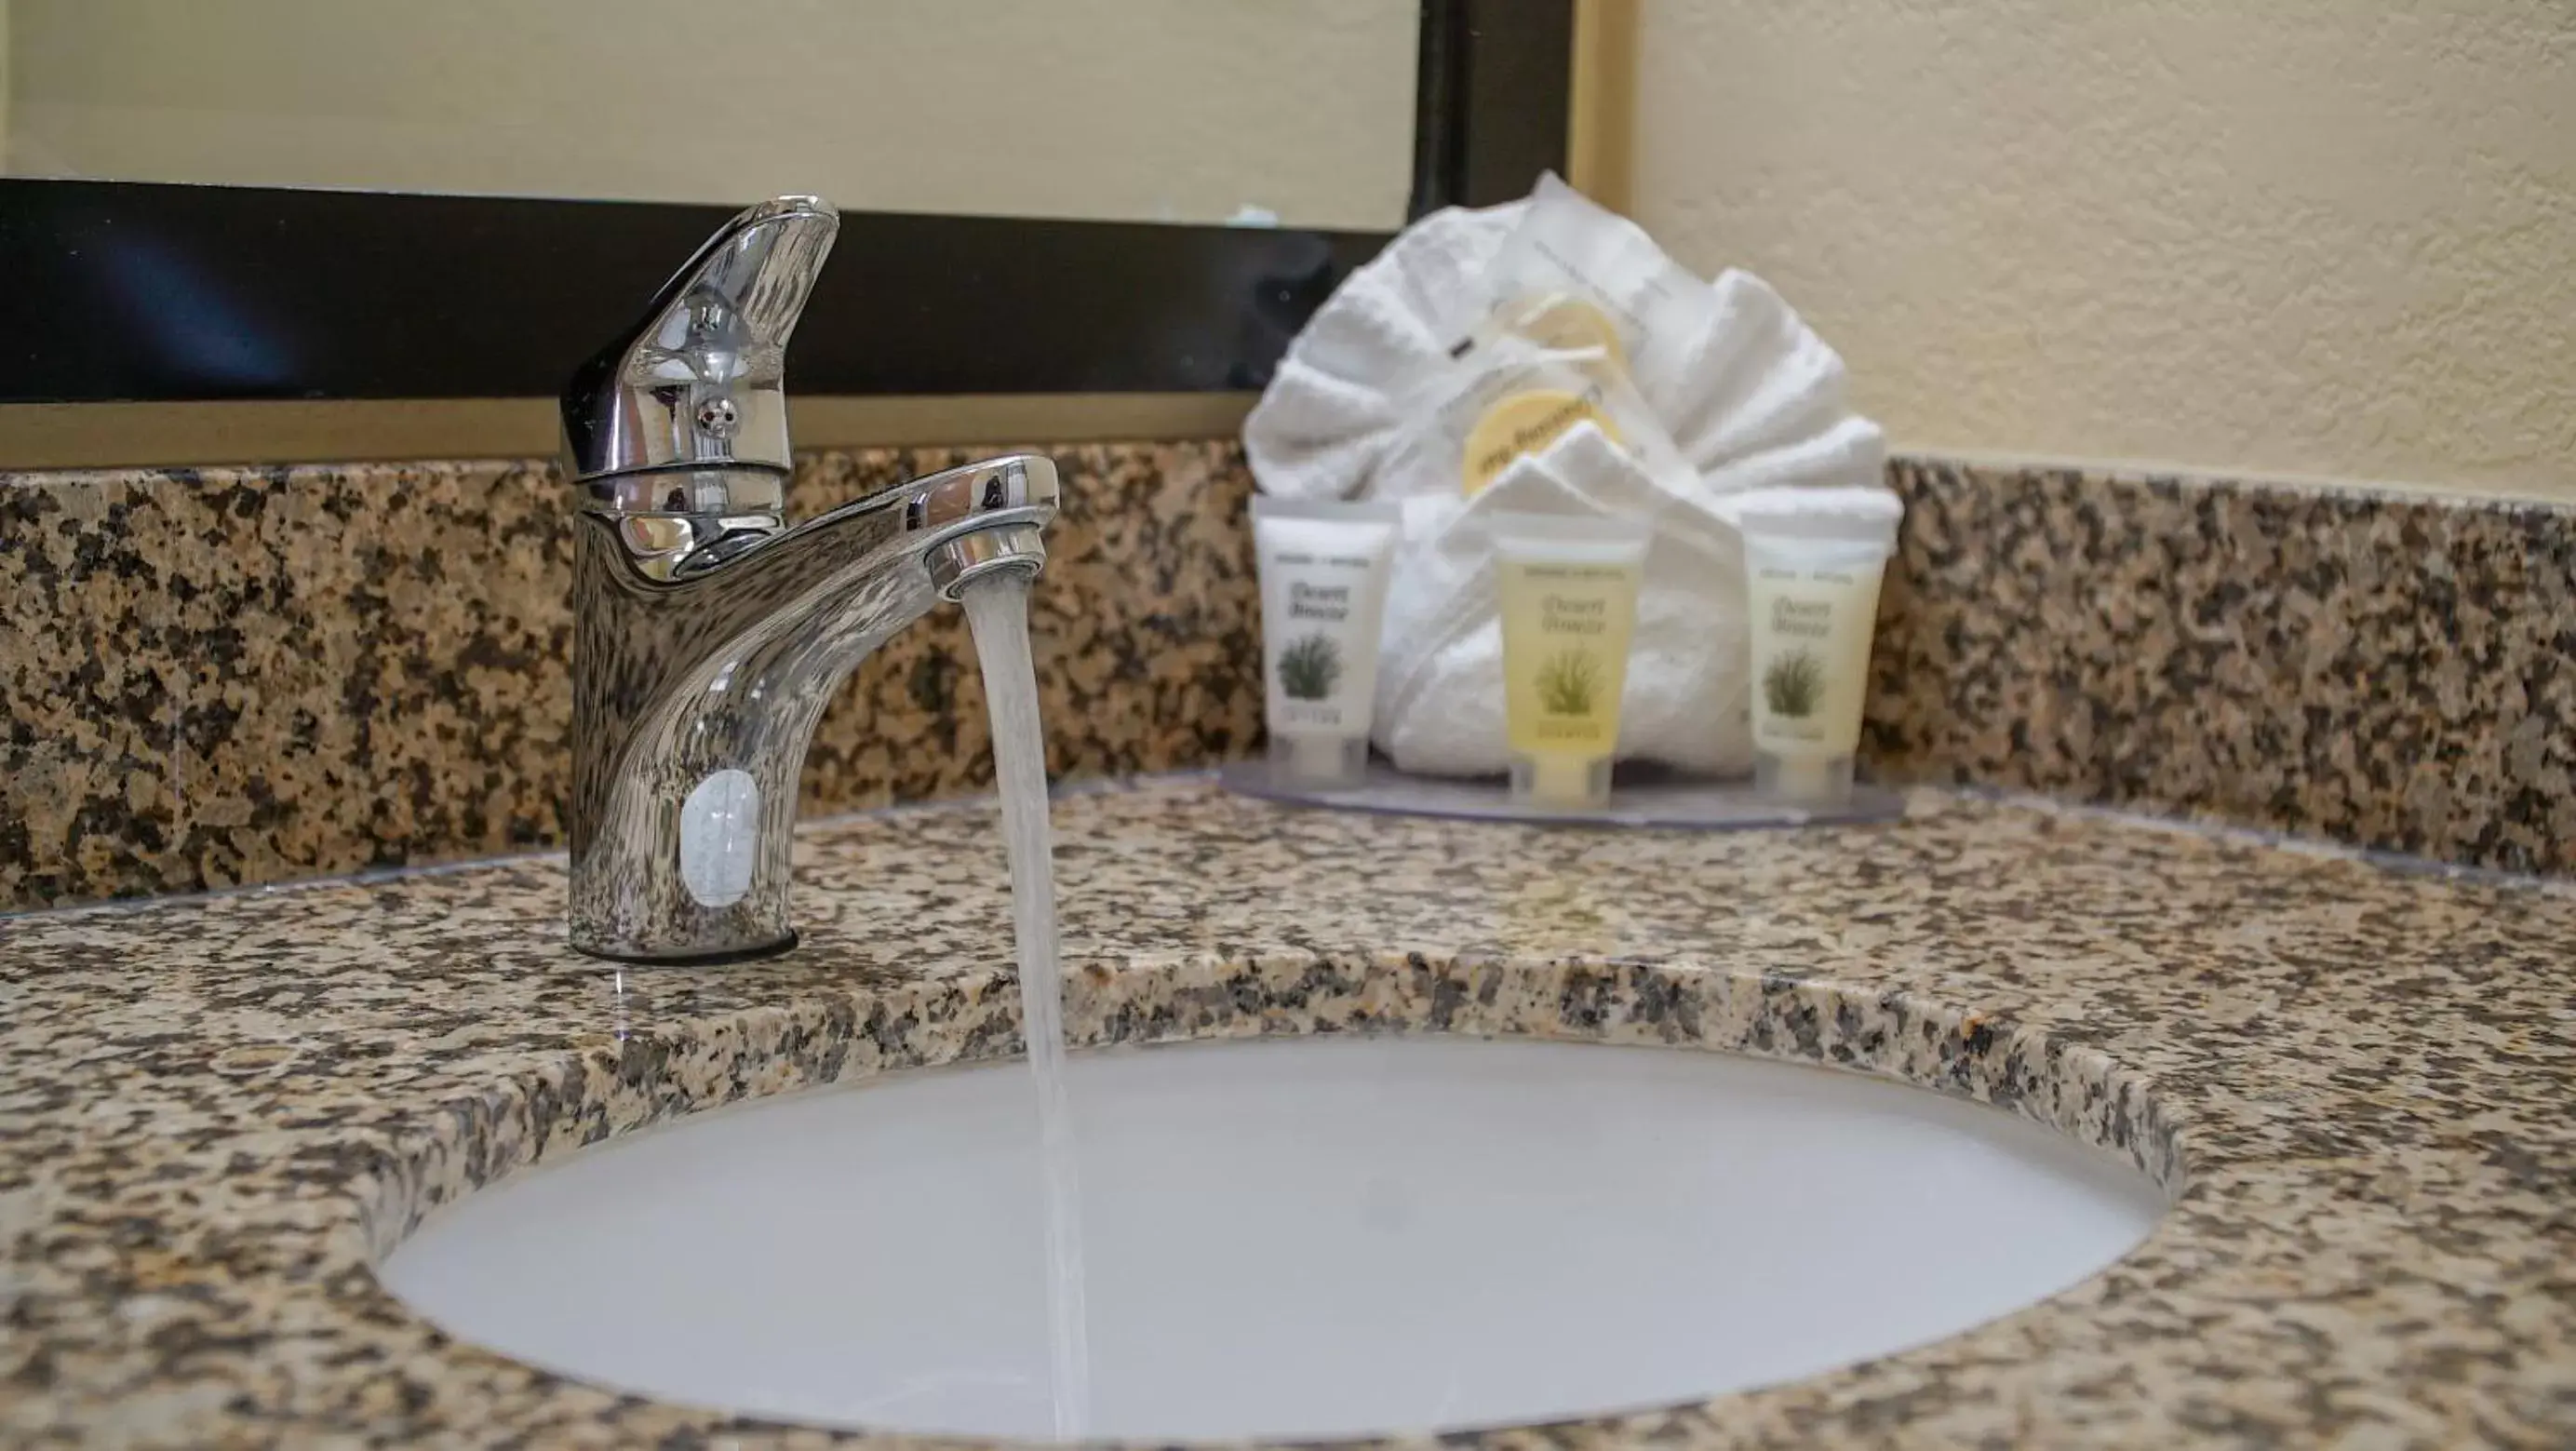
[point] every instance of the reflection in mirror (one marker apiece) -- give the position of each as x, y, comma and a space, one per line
1299, 111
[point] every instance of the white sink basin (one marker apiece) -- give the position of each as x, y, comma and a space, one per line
1294, 1238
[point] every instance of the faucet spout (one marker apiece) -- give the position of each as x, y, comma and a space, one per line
707, 645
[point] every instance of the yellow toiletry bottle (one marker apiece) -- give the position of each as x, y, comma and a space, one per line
1568, 587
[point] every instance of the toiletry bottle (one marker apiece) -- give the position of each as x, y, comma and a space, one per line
1812, 564
1323, 569
1568, 588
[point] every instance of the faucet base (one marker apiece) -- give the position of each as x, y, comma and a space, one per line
609, 952
702, 658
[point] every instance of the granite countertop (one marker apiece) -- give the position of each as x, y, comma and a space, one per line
2358, 1083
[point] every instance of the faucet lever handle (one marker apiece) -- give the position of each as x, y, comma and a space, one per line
700, 380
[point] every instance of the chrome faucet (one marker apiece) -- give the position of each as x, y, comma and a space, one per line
707, 634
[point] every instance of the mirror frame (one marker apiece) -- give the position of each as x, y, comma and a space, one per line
157, 292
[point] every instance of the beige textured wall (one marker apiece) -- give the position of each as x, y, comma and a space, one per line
2320, 237
1176, 110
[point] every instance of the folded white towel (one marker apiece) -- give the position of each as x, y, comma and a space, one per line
1755, 401
1689, 692
1764, 402
1440, 684
1334, 409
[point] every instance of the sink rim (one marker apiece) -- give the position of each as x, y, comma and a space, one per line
1735, 1100
627, 1083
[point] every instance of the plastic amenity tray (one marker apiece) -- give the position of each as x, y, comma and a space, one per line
1639, 796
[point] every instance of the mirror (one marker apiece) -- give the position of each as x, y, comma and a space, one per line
327, 201
1295, 112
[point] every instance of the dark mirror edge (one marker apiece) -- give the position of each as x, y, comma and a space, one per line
164, 292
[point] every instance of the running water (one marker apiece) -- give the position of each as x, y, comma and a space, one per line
997, 610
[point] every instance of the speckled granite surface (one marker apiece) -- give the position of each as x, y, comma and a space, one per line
2357, 1084
250, 675
253, 675
2394, 671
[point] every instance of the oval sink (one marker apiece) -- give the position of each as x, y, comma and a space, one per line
1296, 1238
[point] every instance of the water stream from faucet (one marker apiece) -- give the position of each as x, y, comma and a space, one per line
997, 611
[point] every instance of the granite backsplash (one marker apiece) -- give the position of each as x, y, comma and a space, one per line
236, 675
2389, 670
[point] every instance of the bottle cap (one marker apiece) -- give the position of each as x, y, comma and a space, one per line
1320, 760
1562, 780
1803, 778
